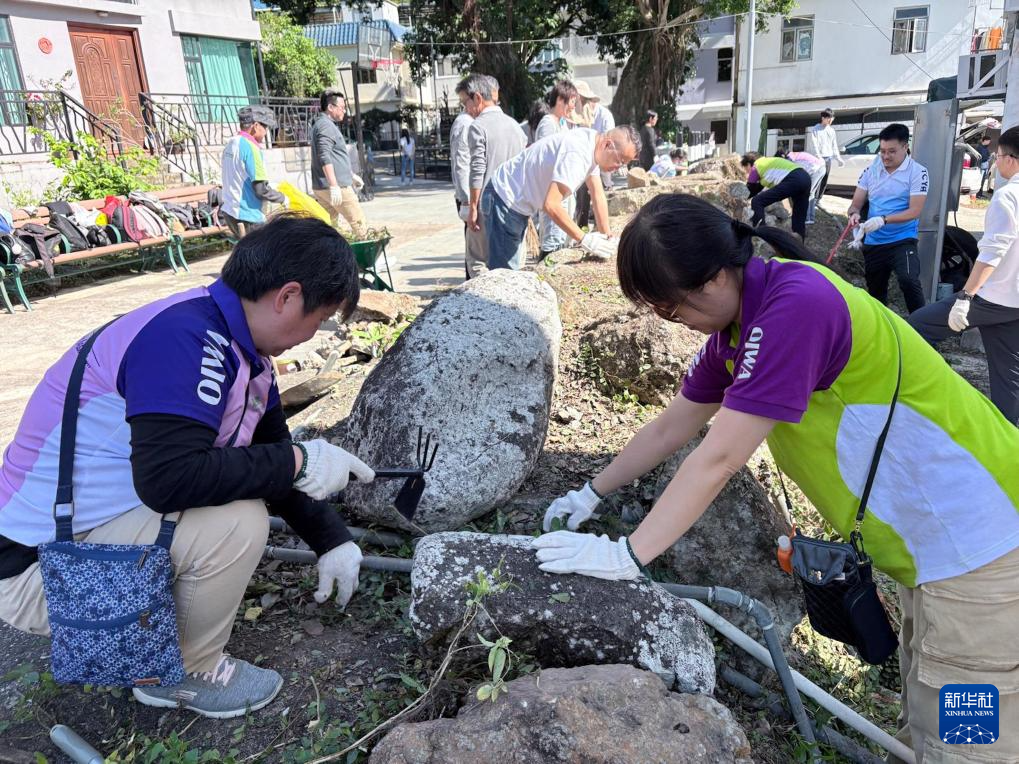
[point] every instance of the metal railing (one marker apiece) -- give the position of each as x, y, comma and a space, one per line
171, 137
214, 117
25, 115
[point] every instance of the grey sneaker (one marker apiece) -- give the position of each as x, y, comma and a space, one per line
231, 689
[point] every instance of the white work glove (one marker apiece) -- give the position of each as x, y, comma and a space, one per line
335, 195
858, 235
327, 469
339, 566
357, 180
958, 317
599, 245
586, 554
464, 212
872, 224
576, 506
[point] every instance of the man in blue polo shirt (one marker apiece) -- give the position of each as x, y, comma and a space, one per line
180, 413
896, 188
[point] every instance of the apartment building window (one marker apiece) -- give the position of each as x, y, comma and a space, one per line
367, 75
12, 107
724, 65
612, 75
797, 38
909, 30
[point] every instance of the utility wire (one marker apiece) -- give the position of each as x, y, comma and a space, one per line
668, 25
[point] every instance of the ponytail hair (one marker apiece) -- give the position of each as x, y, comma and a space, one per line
677, 243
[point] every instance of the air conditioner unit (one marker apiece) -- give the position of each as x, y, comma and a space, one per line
983, 74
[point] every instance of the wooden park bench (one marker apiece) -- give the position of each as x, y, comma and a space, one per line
143, 253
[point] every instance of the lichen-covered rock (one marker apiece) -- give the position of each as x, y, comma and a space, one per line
641, 354
626, 201
728, 167
591, 714
637, 177
476, 370
562, 620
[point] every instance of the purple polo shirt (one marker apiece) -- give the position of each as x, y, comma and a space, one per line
190, 354
794, 337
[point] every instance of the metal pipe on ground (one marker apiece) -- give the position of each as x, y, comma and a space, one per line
760, 613
838, 709
848, 748
376, 538
308, 557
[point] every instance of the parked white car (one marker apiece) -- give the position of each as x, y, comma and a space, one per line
859, 153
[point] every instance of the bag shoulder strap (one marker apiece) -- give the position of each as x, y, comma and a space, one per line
855, 537
63, 506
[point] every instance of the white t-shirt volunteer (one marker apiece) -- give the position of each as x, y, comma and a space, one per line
999, 246
567, 158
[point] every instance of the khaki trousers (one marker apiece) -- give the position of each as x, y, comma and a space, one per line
214, 552
477, 249
960, 630
349, 209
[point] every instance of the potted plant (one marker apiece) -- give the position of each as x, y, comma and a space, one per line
177, 139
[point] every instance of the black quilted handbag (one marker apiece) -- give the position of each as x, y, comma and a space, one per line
838, 587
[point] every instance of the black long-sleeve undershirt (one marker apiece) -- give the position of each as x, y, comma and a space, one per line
267, 193
176, 465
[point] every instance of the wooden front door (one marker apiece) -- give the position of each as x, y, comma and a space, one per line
110, 76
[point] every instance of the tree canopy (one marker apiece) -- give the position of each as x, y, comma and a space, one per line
293, 65
505, 38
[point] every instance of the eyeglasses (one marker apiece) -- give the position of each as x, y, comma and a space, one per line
670, 315
999, 155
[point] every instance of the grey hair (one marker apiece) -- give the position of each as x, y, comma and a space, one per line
627, 133
478, 84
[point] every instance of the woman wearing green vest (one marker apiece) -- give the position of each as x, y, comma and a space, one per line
781, 179
800, 358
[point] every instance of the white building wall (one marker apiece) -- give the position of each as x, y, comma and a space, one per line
852, 66
159, 24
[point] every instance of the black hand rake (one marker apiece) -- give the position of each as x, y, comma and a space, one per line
406, 501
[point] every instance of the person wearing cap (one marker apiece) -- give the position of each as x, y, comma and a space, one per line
591, 114
332, 180
245, 183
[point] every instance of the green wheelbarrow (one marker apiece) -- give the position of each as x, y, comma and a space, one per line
368, 254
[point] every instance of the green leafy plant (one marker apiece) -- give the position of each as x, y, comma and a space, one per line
91, 173
294, 67
380, 337
498, 664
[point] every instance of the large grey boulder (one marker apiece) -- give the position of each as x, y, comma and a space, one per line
733, 544
562, 620
475, 369
592, 714
641, 354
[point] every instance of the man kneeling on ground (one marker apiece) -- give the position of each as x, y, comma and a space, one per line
181, 414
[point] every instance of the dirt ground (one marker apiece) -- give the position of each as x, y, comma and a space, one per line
347, 671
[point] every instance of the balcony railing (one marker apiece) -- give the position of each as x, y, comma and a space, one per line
26, 114
214, 117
